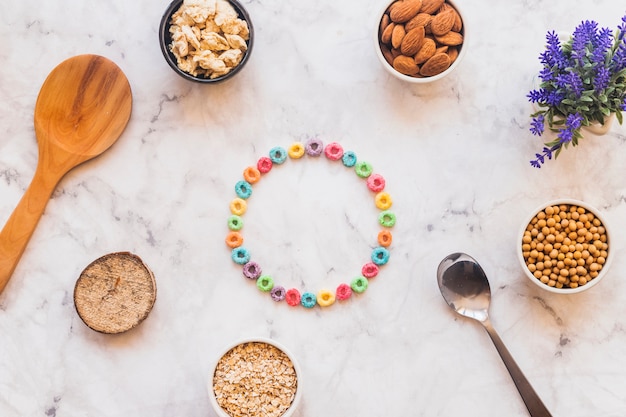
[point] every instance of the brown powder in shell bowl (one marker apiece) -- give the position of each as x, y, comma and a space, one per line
256, 377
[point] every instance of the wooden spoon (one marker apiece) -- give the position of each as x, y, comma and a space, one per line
82, 109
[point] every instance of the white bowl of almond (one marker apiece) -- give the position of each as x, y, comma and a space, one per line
420, 41
255, 377
564, 246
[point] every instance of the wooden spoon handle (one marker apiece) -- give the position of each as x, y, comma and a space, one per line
21, 225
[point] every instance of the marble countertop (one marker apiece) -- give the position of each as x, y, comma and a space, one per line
455, 155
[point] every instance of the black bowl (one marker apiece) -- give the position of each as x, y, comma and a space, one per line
165, 39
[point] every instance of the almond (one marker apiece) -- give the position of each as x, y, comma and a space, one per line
387, 54
386, 35
453, 53
442, 22
450, 39
442, 49
427, 50
412, 41
406, 65
431, 6
404, 10
397, 36
437, 64
421, 19
384, 22
458, 22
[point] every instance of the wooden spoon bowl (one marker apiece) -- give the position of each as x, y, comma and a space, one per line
83, 107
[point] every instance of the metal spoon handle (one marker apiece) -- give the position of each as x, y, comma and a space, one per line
535, 406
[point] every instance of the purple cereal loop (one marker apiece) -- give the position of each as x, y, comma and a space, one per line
314, 147
251, 270
278, 293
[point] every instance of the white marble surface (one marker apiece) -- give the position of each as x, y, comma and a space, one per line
455, 156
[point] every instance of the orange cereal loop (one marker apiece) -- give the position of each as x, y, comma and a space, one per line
383, 201
384, 238
234, 239
252, 174
296, 150
238, 206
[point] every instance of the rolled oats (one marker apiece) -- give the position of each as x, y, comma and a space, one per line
255, 379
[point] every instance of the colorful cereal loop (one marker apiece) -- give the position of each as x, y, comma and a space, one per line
333, 151
240, 255
252, 175
234, 239
264, 164
363, 169
238, 206
370, 270
308, 300
243, 189
265, 283
278, 155
235, 222
314, 147
292, 297
359, 284
252, 270
387, 218
380, 256
343, 292
296, 150
278, 293
349, 159
325, 298
376, 182
385, 238
383, 201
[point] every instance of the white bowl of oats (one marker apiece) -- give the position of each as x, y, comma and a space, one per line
206, 41
255, 377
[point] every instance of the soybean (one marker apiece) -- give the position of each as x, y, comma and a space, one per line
565, 246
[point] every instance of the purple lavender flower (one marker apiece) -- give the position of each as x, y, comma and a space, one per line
583, 34
545, 153
537, 125
582, 80
553, 55
602, 79
572, 123
535, 96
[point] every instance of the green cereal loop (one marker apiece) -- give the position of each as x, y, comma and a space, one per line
359, 284
265, 283
235, 222
387, 218
363, 169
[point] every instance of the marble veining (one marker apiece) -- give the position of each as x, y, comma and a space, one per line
455, 156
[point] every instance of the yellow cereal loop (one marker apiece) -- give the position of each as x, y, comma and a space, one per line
296, 150
325, 298
383, 201
238, 206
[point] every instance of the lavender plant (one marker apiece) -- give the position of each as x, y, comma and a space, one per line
583, 80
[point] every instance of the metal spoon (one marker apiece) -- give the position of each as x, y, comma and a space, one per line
82, 109
465, 288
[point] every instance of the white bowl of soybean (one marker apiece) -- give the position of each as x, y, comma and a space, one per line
564, 246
